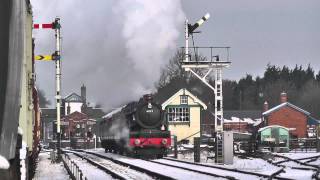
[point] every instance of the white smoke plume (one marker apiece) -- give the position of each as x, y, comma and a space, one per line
116, 48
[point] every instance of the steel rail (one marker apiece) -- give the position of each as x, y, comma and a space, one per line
234, 170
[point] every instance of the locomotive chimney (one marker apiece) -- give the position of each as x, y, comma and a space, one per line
265, 106
148, 99
283, 97
83, 93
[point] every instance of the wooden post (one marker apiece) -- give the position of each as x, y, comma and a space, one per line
196, 149
175, 147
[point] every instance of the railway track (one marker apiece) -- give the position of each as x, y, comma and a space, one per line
214, 171
225, 170
154, 170
301, 164
113, 169
291, 166
152, 167
168, 168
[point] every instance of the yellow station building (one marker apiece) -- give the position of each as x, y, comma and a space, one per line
183, 111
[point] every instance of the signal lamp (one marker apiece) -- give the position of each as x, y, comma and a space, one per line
164, 141
137, 141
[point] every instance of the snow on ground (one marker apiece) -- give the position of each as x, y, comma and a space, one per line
299, 155
124, 171
88, 170
210, 170
175, 173
256, 165
294, 164
249, 165
297, 174
253, 165
49, 171
317, 162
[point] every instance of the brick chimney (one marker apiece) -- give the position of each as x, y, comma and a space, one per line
84, 94
68, 108
283, 97
265, 106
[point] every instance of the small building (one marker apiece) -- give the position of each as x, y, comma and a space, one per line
289, 116
275, 138
183, 112
76, 124
70, 104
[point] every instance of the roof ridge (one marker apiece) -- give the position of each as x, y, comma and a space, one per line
285, 104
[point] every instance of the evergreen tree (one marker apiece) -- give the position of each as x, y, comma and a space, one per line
309, 74
285, 73
318, 76
271, 74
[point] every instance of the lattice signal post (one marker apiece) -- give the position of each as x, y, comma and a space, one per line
208, 64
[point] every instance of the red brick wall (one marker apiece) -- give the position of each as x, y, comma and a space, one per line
290, 118
236, 126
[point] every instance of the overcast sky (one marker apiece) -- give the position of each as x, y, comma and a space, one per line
117, 48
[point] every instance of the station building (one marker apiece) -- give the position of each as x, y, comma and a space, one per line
77, 124
183, 112
70, 104
296, 119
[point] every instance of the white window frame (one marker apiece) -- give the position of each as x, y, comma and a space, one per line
184, 99
178, 114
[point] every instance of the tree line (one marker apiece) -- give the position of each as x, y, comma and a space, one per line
302, 86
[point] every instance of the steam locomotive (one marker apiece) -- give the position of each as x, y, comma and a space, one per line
138, 129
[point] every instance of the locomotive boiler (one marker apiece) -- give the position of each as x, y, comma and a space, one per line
137, 129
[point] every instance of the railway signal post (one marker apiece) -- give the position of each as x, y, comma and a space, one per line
57, 27
54, 57
208, 65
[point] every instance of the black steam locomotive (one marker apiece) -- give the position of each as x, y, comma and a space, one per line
137, 129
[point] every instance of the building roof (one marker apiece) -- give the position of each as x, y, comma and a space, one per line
313, 121
109, 115
75, 115
266, 113
273, 126
252, 114
73, 97
185, 92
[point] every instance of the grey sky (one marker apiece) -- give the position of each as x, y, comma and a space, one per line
99, 45
285, 32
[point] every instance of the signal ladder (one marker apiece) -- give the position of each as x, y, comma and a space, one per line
219, 148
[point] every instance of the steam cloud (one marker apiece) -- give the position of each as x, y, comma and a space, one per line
116, 48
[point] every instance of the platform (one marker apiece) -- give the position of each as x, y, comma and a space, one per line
49, 171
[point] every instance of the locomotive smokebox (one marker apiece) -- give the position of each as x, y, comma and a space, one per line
149, 114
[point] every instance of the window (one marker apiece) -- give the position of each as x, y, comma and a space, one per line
183, 99
178, 114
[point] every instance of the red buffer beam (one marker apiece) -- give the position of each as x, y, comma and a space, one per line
43, 26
